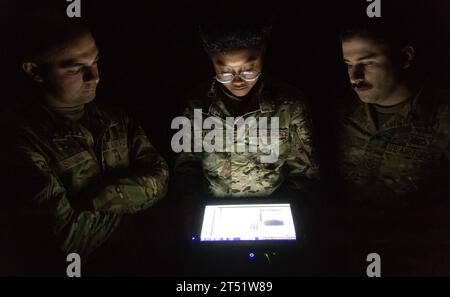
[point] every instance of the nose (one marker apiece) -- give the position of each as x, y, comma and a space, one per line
356, 74
91, 74
237, 80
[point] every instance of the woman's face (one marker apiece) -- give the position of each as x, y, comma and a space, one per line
246, 61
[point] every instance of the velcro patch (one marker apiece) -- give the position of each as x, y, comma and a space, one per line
116, 143
408, 152
74, 160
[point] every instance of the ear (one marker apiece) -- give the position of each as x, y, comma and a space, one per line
408, 56
32, 70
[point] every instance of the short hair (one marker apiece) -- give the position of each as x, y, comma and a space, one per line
225, 35
47, 35
395, 35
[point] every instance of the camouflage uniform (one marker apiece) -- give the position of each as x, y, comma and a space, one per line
235, 174
84, 179
407, 154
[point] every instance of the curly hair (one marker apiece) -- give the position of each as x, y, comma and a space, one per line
222, 36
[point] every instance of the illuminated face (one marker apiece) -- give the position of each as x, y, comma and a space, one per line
373, 74
236, 62
70, 76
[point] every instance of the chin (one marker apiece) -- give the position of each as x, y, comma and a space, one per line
367, 99
85, 100
89, 97
240, 94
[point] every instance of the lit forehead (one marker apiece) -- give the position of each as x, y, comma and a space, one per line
236, 58
358, 47
81, 48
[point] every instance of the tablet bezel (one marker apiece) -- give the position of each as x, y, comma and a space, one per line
298, 226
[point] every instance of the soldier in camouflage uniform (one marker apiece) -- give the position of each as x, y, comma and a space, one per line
84, 168
394, 154
395, 141
240, 90
407, 153
235, 174
394, 149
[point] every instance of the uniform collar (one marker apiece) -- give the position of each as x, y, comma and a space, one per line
416, 111
60, 126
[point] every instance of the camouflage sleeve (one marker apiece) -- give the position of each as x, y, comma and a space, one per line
79, 231
302, 165
145, 183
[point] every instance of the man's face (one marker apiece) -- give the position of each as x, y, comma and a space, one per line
236, 62
372, 72
70, 75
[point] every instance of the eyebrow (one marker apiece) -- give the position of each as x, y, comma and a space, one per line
368, 56
75, 62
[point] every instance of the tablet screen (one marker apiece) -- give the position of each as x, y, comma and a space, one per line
249, 222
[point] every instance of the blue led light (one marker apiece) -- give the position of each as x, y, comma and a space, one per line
251, 255
193, 238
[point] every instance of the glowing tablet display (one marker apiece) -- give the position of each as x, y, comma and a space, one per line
249, 222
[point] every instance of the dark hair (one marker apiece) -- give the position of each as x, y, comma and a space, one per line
394, 34
45, 35
224, 35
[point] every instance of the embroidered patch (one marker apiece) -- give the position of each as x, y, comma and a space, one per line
74, 160
116, 143
408, 152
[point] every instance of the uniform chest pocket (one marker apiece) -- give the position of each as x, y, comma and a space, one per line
266, 137
116, 153
65, 148
413, 147
408, 163
71, 162
282, 140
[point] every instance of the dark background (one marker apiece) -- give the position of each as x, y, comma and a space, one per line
147, 47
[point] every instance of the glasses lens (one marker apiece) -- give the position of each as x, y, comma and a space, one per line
249, 75
225, 77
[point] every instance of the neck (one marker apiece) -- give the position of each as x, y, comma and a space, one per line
231, 96
55, 103
71, 108
74, 113
401, 94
